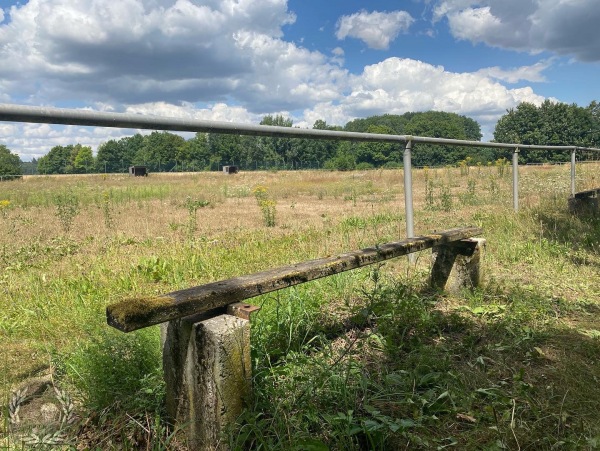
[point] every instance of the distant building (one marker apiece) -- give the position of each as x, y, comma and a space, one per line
231, 169
138, 171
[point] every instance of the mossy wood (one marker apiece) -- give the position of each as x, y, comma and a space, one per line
132, 314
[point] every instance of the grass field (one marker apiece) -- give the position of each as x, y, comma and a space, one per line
362, 360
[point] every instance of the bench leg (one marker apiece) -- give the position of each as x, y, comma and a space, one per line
208, 375
583, 206
457, 265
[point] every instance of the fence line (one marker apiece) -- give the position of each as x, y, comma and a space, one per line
60, 116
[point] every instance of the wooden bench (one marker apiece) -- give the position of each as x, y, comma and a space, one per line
205, 330
584, 202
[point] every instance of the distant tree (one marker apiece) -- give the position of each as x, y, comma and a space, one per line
550, 124
109, 156
392, 122
379, 154
57, 161
344, 158
437, 124
84, 159
431, 123
10, 163
224, 149
284, 150
30, 167
160, 150
195, 151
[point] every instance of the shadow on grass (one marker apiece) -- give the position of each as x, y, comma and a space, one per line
499, 372
579, 231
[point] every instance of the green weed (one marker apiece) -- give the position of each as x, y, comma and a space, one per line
67, 207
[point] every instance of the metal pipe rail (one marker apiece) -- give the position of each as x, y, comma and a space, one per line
60, 116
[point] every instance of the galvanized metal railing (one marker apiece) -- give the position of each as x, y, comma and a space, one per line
59, 116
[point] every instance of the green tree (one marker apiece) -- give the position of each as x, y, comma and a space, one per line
284, 150
437, 124
57, 161
392, 122
344, 158
550, 124
109, 156
160, 150
223, 149
379, 154
84, 159
10, 163
195, 152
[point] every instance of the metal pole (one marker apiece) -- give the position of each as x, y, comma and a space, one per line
408, 195
516, 179
573, 172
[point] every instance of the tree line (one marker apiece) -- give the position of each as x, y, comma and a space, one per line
164, 151
548, 124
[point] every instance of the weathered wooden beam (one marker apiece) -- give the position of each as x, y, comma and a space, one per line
132, 314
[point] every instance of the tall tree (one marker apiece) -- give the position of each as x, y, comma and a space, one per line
160, 150
109, 155
550, 124
57, 161
83, 162
437, 124
283, 150
10, 163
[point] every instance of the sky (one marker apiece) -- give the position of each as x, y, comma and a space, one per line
335, 60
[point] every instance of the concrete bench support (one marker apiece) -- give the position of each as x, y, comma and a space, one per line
207, 370
584, 205
457, 265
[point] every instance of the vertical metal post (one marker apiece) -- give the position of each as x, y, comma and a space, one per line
408, 194
573, 172
516, 179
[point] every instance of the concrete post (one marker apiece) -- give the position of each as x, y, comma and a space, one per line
457, 265
207, 370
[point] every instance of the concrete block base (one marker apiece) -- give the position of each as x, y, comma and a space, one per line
457, 265
207, 370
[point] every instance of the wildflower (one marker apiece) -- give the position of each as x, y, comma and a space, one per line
4, 206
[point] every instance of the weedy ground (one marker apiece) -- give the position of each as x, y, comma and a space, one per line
364, 360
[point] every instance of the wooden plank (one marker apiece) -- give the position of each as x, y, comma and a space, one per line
133, 314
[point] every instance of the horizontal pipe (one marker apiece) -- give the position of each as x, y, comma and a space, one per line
132, 314
60, 116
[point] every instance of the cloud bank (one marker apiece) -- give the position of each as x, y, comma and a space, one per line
229, 60
564, 27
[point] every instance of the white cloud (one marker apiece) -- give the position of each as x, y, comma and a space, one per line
376, 29
284, 76
133, 51
531, 73
397, 86
218, 112
565, 27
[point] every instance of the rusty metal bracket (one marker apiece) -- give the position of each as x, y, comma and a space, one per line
242, 310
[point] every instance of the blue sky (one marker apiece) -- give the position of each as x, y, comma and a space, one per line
238, 60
